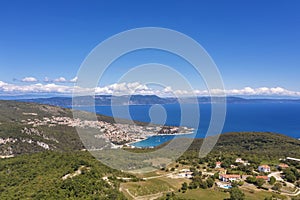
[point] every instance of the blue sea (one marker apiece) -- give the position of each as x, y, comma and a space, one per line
281, 118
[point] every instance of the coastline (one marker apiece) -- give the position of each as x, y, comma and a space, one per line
131, 144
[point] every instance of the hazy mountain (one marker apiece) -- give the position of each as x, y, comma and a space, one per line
105, 100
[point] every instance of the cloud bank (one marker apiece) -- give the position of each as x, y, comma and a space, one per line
29, 79
135, 88
60, 80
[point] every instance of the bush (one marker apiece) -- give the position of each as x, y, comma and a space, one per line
236, 194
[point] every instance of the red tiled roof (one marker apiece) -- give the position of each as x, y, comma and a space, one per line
231, 176
262, 177
265, 166
282, 165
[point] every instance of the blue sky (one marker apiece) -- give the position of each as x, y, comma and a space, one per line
255, 44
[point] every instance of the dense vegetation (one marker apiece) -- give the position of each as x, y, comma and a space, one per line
39, 176
255, 147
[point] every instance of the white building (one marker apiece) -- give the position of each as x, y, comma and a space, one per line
229, 177
264, 168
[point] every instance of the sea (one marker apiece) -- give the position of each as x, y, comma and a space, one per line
283, 118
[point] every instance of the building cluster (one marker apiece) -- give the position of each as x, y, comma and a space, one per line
116, 133
227, 179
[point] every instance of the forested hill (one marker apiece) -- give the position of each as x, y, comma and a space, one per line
58, 175
261, 145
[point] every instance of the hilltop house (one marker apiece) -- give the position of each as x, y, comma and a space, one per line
185, 173
218, 164
241, 161
229, 177
264, 168
282, 166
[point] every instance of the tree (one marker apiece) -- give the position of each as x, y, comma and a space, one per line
251, 179
203, 184
290, 177
184, 187
210, 182
216, 175
193, 185
236, 194
272, 180
260, 182
277, 186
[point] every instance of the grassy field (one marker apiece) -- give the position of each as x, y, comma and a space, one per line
216, 194
202, 194
148, 187
165, 185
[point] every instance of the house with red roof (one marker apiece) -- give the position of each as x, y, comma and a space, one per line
266, 178
282, 166
218, 164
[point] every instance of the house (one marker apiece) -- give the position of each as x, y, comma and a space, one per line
185, 175
229, 177
282, 166
218, 164
264, 168
241, 161
266, 178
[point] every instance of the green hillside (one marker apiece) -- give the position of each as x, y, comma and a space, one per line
40, 176
255, 146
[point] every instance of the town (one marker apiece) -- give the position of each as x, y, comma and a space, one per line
117, 134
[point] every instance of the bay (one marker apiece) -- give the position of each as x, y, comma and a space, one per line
281, 118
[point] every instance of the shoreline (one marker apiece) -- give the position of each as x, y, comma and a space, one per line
130, 144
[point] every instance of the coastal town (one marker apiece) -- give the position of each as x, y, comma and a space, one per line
117, 134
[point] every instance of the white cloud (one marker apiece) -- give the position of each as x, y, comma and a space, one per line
29, 79
74, 80
124, 89
60, 80
263, 91
138, 88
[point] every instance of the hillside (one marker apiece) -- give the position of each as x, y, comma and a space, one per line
31, 127
55, 175
255, 146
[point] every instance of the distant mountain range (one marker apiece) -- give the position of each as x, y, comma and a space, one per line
106, 100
